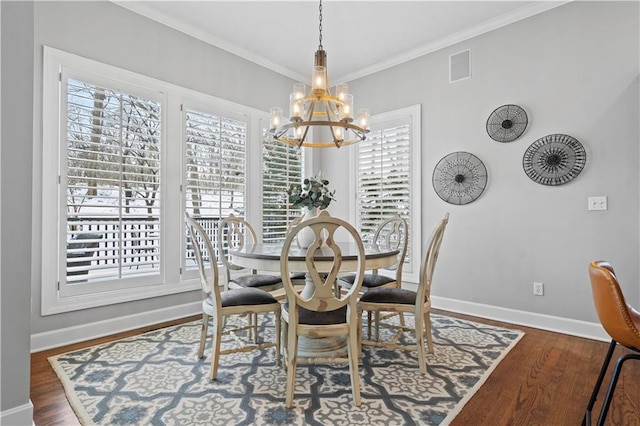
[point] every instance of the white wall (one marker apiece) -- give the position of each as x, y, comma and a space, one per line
574, 70
17, 145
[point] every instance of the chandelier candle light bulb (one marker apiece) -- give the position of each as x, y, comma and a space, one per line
319, 85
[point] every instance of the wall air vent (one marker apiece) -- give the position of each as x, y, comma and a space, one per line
460, 66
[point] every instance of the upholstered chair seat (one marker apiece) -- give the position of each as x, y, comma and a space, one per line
265, 282
370, 280
242, 296
400, 296
309, 317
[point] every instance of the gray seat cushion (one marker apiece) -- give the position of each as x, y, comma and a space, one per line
298, 276
305, 316
386, 295
256, 281
244, 296
369, 280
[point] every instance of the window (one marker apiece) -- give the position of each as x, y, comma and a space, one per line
215, 171
282, 165
388, 178
124, 156
111, 172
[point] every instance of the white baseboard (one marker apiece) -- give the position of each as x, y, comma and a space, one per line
17, 416
81, 333
84, 332
589, 330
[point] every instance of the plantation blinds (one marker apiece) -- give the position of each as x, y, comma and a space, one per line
215, 170
111, 184
282, 165
384, 176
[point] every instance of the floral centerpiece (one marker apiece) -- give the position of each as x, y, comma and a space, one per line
313, 192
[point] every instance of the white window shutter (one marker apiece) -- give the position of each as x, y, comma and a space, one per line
112, 192
282, 165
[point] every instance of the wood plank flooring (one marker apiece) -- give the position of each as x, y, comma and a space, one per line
545, 380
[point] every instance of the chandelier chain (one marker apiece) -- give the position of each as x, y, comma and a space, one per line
320, 27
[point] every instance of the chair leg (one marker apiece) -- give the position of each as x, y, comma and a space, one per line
427, 329
292, 349
352, 350
377, 321
369, 317
285, 338
586, 421
612, 385
203, 335
402, 323
255, 328
419, 330
359, 329
215, 347
278, 321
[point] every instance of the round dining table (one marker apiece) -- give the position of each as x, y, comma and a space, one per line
266, 257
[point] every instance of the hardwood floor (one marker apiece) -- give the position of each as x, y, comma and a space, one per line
545, 380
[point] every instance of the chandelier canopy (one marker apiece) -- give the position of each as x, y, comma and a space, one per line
331, 115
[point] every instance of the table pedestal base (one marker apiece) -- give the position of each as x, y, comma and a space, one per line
322, 347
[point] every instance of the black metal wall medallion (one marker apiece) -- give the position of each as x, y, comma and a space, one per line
507, 123
554, 159
459, 178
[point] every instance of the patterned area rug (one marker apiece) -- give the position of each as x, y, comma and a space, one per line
157, 379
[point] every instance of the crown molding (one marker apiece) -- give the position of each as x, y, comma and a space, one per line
471, 32
141, 9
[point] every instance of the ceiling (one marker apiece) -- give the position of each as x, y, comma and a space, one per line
360, 37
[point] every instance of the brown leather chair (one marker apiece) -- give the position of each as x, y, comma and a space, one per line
620, 321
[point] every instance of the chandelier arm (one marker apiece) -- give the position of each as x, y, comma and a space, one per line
331, 110
296, 143
304, 135
330, 119
309, 118
343, 124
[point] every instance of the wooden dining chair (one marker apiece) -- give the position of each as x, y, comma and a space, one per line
233, 233
386, 299
218, 305
622, 324
391, 233
322, 313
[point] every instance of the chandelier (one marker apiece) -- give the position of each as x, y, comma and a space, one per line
330, 115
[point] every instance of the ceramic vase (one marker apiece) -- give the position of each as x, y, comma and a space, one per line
306, 236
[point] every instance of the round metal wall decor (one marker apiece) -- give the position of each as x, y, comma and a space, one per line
507, 123
554, 159
459, 178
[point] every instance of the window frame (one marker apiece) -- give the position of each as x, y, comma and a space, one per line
411, 270
173, 278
